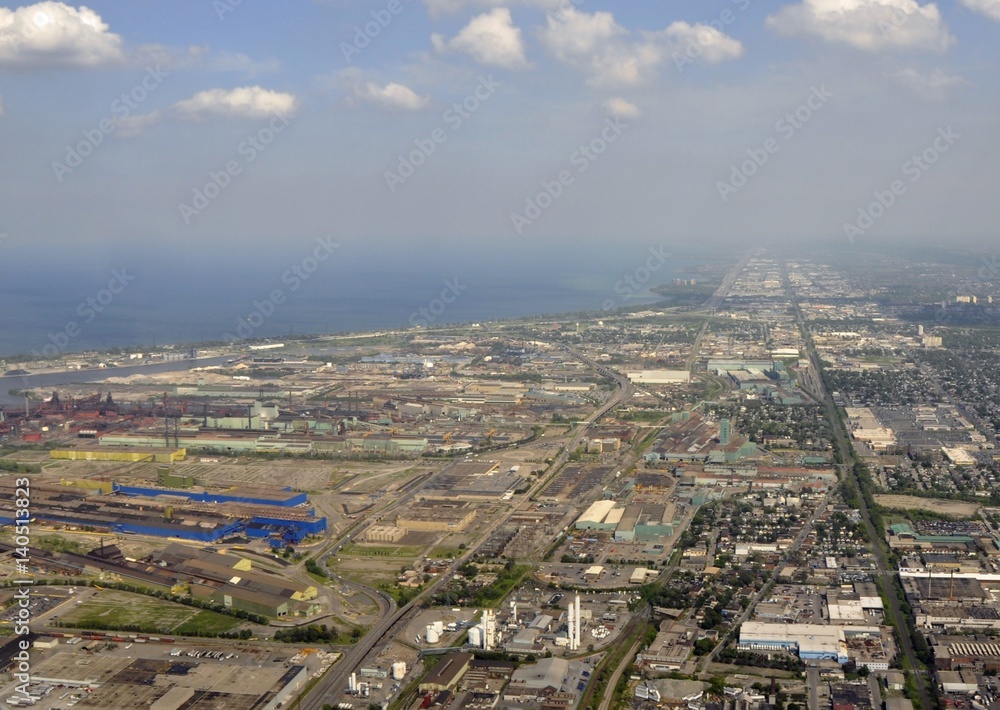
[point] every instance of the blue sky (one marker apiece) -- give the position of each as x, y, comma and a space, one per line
256, 127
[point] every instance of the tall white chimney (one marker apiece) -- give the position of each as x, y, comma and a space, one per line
577, 617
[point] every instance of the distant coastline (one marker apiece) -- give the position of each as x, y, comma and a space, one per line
154, 312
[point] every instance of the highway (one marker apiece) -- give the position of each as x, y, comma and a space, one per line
847, 455
727, 283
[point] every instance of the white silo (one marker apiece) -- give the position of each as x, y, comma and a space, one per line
489, 629
439, 627
476, 636
432, 635
399, 670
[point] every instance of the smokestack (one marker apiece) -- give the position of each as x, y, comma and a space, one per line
571, 626
577, 633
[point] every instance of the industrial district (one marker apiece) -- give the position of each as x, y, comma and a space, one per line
776, 488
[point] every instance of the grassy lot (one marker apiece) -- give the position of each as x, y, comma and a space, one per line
955, 508
111, 609
207, 622
407, 552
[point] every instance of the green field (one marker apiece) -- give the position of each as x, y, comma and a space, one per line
356, 550
114, 610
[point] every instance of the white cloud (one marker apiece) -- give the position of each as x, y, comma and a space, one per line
245, 102
437, 8
990, 8
53, 34
933, 87
491, 38
596, 43
393, 95
872, 25
572, 35
134, 124
618, 107
699, 42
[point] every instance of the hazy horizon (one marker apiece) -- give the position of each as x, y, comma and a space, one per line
224, 143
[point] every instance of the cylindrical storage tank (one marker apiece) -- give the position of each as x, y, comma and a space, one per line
398, 670
439, 627
432, 635
476, 636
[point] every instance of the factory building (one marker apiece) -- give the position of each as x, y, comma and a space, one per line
437, 516
447, 673
386, 444
810, 641
228, 441
537, 681
230, 580
644, 523
601, 446
167, 478
596, 516
125, 454
659, 377
167, 515
284, 497
384, 533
